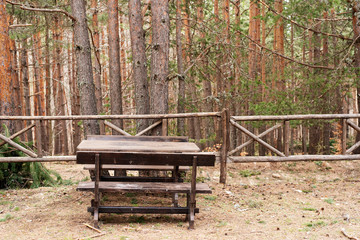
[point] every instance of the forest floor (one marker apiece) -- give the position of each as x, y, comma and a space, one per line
314, 200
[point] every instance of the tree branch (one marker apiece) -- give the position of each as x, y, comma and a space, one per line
283, 56
23, 7
301, 26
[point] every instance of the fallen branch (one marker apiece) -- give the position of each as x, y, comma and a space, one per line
93, 236
20, 25
348, 236
91, 227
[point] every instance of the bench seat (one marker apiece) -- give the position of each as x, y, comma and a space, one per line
143, 210
147, 187
136, 167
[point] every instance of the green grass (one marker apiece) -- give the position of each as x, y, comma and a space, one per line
3, 202
221, 224
248, 173
309, 209
7, 217
329, 200
316, 224
210, 198
254, 204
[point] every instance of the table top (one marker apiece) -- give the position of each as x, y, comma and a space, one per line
136, 146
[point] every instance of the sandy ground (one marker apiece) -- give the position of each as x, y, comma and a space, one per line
279, 201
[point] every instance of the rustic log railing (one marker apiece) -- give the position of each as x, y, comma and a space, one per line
226, 121
284, 121
39, 155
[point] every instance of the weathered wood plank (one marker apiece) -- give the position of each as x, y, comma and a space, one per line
128, 158
116, 128
38, 159
139, 138
137, 179
256, 138
238, 148
294, 158
149, 128
136, 146
143, 210
136, 167
94, 117
17, 146
19, 133
147, 187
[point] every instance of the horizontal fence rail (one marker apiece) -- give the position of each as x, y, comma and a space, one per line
38, 155
225, 123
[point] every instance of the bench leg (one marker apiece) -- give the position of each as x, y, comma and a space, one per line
96, 191
193, 195
96, 218
175, 174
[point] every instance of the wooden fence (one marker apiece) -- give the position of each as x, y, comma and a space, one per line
225, 120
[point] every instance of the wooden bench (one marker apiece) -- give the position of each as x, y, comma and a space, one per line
114, 167
147, 159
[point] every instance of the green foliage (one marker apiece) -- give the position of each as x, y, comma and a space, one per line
248, 173
24, 175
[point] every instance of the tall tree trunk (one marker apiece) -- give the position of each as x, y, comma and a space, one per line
84, 75
16, 96
159, 58
97, 65
5, 71
61, 145
356, 28
186, 55
262, 149
238, 74
137, 34
48, 82
325, 98
218, 75
315, 131
254, 58
114, 62
38, 80
180, 68
25, 82
75, 97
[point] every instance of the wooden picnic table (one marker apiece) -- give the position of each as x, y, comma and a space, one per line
133, 151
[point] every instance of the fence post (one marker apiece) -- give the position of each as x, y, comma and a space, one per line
225, 128
164, 127
287, 138
38, 138
343, 136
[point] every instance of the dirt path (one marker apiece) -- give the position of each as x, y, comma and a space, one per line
296, 201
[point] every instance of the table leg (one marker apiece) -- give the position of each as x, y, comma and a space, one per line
193, 195
96, 191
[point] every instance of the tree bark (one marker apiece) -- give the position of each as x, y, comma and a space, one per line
48, 83
25, 82
159, 58
114, 62
85, 78
16, 96
180, 68
137, 34
315, 131
218, 75
5, 71
61, 145
97, 65
356, 28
